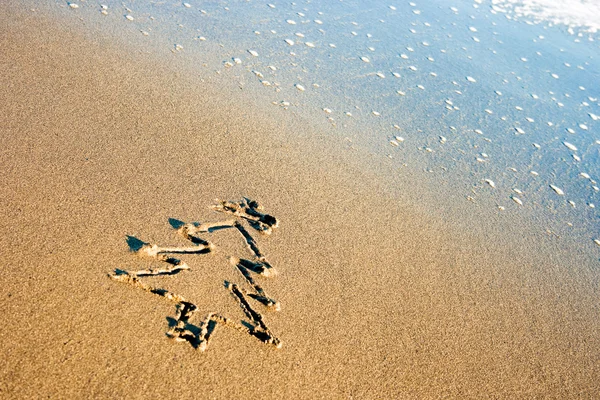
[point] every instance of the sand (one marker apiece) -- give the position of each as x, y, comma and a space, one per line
380, 298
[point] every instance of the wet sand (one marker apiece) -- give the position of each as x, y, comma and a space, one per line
380, 297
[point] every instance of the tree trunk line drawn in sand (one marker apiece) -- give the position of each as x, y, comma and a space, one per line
180, 328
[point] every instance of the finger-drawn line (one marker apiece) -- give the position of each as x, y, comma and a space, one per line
250, 242
259, 329
181, 330
132, 279
189, 230
144, 249
160, 253
262, 268
249, 210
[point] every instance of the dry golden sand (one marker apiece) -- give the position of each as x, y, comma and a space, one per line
379, 299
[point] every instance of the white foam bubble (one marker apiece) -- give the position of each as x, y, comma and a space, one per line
570, 146
558, 190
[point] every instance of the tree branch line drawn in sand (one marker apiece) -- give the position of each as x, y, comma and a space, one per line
248, 211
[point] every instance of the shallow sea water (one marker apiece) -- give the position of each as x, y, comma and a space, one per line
487, 107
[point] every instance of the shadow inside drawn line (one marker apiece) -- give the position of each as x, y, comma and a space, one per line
191, 333
160, 291
249, 240
134, 243
197, 240
257, 333
253, 209
248, 325
174, 271
260, 267
212, 325
175, 223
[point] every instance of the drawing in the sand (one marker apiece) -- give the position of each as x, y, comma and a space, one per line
246, 211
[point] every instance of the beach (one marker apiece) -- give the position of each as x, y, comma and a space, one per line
390, 285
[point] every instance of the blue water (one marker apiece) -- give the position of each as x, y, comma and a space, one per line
507, 125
